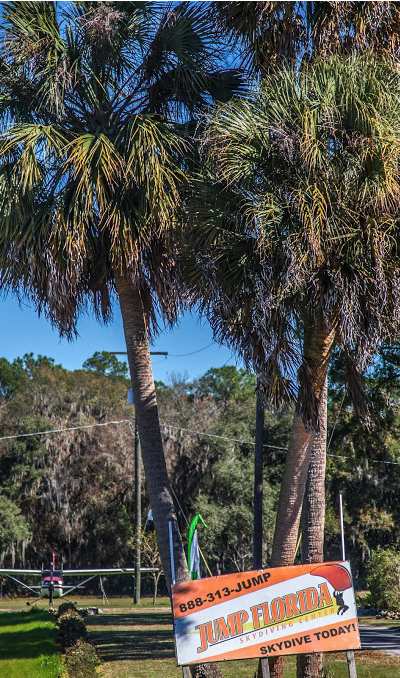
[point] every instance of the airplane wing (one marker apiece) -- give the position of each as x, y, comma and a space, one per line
115, 570
36, 573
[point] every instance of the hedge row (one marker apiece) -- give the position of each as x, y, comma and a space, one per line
80, 656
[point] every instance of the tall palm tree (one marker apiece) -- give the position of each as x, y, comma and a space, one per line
298, 250
270, 35
94, 99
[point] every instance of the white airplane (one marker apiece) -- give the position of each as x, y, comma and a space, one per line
52, 581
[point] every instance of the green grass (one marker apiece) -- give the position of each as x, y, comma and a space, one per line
137, 641
373, 621
27, 645
81, 601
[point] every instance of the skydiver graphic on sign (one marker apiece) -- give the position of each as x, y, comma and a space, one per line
338, 577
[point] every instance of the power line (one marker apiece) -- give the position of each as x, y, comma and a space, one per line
177, 428
61, 430
212, 435
183, 355
274, 447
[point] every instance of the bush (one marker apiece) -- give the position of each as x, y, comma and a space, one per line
383, 579
81, 660
71, 628
66, 607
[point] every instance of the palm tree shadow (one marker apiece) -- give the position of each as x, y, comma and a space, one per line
131, 619
130, 643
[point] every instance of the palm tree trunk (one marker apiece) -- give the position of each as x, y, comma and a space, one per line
313, 521
158, 485
144, 396
318, 344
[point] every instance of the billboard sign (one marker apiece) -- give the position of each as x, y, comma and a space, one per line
277, 611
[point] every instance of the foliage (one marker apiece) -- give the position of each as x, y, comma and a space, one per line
213, 474
272, 34
383, 579
93, 101
281, 219
11, 377
364, 463
66, 607
72, 487
107, 364
71, 628
77, 487
14, 528
150, 557
81, 660
227, 383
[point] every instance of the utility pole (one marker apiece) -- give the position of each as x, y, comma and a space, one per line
138, 517
138, 502
258, 485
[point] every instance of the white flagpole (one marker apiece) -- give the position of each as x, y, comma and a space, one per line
341, 525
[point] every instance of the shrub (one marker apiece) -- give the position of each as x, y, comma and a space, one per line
81, 660
383, 579
71, 628
34, 608
66, 607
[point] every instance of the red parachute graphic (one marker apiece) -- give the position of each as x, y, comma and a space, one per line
336, 575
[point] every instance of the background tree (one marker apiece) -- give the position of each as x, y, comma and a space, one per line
365, 463
150, 557
70, 487
104, 362
14, 529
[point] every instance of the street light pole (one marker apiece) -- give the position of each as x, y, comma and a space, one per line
138, 502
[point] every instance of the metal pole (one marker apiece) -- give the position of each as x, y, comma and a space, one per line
341, 525
258, 486
171, 551
186, 673
351, 662
138, 518
69, 553
51, 585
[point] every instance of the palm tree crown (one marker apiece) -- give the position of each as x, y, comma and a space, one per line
307, 221
91, 94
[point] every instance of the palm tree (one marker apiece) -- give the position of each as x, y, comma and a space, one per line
299, 239
94, 102
272, 34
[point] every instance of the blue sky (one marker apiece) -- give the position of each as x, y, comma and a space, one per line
190, 346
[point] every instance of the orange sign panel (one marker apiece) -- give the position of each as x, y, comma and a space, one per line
282, 610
